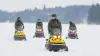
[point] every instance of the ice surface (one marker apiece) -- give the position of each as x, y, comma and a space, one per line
88, 43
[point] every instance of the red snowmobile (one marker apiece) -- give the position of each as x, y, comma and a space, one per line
39, 30
72, 34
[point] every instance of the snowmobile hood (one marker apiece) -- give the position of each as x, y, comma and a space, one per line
19, 34
56, 40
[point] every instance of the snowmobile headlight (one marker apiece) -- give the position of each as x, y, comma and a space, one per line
37, 30
55, 36
18, 31
59, 36
40, 30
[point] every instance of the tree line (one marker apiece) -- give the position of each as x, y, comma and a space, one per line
74, 13
94, 14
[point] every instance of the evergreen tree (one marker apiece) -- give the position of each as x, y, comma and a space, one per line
94, 14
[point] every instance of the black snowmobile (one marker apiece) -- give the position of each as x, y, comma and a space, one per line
19, 34
55, 41
72, 32
39, 30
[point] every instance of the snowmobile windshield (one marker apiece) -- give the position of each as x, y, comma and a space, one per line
72, 30
56, 31
19, 28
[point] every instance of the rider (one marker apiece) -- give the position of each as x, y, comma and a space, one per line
39, 24
18, 23
54, 23
72, 26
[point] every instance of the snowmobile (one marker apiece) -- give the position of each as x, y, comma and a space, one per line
55, 42
72, 34
19, 34
39, 32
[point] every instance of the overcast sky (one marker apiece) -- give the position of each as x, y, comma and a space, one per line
18, 5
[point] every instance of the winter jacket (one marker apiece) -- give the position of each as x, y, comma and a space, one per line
52, 24
72, 26
39, 24
19, 23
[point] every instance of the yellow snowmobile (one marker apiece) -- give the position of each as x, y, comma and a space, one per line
19, 35
55, 43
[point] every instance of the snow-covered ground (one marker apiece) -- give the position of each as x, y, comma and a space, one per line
86, 45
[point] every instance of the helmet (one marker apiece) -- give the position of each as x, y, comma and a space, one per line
18, 18
70, 21
38, 20
53, 15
